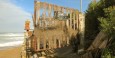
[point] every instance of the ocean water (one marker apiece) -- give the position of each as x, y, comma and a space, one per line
11, 39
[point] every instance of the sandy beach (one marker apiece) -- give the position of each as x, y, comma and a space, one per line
10, 52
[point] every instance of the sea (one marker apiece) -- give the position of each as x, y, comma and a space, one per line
9, 40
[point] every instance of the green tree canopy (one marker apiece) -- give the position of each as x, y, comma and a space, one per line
95, 11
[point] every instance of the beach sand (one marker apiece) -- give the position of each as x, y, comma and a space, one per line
11, 53
65, 52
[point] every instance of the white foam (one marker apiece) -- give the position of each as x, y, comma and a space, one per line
12, 34
8, 44
15, 38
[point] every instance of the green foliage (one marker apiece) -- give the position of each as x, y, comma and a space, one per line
101, 16
106, 53
95, 11
91, 21
108, 22
108, 26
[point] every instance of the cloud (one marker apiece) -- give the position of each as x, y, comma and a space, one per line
12, 17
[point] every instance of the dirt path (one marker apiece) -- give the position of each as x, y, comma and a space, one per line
65, 52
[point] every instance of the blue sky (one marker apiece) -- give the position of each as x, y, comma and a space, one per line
28, 5
13, 13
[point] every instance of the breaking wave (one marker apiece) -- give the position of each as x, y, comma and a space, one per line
10, 44
11, 39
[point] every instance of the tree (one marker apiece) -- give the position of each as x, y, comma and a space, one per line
108, 22
95, 11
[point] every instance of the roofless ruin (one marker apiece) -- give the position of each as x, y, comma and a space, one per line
54, 27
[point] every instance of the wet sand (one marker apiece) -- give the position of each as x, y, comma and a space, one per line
11, 52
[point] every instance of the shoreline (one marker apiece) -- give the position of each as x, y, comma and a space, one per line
9, 47
11, 52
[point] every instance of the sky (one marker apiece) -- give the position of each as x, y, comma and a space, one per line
14, 13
